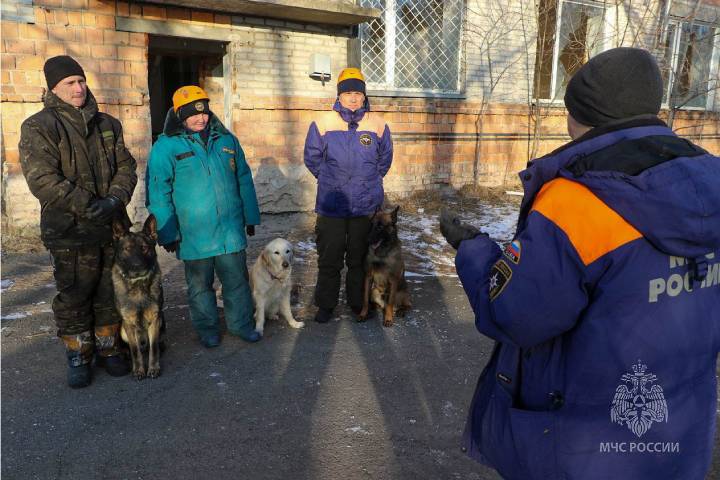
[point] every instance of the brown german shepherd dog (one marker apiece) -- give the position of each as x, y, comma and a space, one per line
138, 294
385, 282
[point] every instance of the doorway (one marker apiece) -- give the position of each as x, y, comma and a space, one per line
174, 62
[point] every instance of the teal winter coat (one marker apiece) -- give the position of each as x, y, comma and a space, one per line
202, 195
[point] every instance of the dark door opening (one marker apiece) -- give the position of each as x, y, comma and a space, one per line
174, 62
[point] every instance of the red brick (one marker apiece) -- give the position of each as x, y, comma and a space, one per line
105, 21
11, 156
123, 9
178, 13
116, 38
49, 49
206, 17
30, 62
47, 3
104, 51
102, 6
139, 39
59, 33
94, 36
112, 66
132, 53
42, 15
75, 19
19, 46
9, 30
88, 19
222, 19
75, 4
18, 77
135, 10
5, 77
78, 49
39, 32
125, 81
61, 17
153, 12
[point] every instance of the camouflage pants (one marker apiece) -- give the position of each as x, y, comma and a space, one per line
85, 297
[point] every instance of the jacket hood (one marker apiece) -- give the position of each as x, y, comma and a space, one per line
663, 185
348, 115
174, 126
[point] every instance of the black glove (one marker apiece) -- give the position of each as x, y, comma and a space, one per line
102, 210
171, 247
454, 230
250, 229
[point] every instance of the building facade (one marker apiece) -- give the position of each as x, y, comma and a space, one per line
471, 89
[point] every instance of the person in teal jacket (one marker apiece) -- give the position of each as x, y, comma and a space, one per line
200, 189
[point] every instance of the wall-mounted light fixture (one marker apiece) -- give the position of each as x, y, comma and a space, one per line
320, 67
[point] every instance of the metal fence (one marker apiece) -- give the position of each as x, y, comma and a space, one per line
414, 46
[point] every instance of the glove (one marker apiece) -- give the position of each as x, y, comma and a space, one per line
171, 247
102, 210
250, 230
454, 230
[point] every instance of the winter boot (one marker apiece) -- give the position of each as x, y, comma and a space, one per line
324, 315
79, 350
108, 354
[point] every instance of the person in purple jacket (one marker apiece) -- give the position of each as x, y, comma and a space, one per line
605, 305
349, 150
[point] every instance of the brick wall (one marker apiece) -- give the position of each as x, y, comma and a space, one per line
116, 67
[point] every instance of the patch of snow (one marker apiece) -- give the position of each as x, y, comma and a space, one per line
6, 284
357, 430
16, 315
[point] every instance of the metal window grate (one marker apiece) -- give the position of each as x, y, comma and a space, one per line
413, 46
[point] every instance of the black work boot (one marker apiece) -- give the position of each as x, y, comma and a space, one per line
108, 354
79, 349
324, 315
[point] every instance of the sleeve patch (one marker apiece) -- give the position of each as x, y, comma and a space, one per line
500, 276
512, 251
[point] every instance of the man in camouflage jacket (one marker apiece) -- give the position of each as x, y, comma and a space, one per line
75, 162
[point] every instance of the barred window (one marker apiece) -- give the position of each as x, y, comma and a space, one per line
414, 46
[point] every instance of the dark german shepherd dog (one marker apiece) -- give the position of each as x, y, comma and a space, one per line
138, 294
385, 282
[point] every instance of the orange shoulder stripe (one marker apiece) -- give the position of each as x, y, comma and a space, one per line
593, 228
330, 121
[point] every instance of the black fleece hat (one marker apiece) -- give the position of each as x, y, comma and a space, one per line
193, 108
62, 66
619, 83
351, 85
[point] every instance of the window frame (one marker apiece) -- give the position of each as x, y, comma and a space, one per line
606, 44
675, 58
388, 88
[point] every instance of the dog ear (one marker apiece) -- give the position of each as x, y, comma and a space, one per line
119, 228
394, 214
150, 227
263, 257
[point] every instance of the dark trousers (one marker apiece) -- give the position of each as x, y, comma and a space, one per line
232, 271
85, 297
341, 240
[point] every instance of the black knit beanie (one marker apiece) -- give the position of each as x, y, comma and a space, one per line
62, 66
193, 108
619, 83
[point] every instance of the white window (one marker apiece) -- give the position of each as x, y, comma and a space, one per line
414, 46
688, 65
570, 32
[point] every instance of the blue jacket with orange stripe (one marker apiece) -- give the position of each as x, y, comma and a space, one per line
605, 312
349, 153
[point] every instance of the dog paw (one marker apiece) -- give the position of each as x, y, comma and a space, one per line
388, 322
139, 374
297, 324
153, 372
260, 331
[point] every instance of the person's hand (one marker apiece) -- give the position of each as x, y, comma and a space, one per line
454, 230
171, 247
102, 210
250, 229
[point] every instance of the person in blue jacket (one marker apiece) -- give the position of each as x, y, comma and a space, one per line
200, 189
605, 305
349, 150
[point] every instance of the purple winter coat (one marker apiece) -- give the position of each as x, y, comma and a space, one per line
349, 153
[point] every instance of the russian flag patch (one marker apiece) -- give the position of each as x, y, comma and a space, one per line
512, 251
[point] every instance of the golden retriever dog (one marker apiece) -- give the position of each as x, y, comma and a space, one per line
271, 282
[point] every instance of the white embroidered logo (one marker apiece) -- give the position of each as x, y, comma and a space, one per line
638, 406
